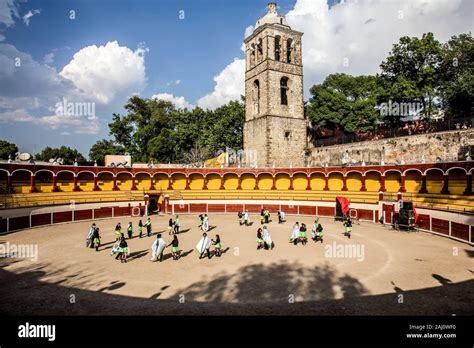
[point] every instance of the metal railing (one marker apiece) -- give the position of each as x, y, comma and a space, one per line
34, 200
422, 127
435, 201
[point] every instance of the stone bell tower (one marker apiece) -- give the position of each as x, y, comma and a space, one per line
275, 126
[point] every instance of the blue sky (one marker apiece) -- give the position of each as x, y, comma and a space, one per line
192, 50
114, 48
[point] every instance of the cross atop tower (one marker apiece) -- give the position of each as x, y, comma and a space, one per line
272, 7
272, 17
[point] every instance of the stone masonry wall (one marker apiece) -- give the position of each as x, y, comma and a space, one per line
276, 140
447, 146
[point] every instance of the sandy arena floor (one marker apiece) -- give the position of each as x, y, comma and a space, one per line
398, 273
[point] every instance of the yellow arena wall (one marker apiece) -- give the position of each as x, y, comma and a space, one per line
438, 185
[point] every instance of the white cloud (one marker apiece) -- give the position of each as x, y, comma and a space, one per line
8, 12
248, 32
2, 37
48, 58
179, 102
28, 15
105, 72
362, 32
174, 83
79, 124
229, 85
19, 115
30, 89
359, 32
22, 78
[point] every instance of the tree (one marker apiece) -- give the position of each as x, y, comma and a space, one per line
225, 127
68, 155
457, 75
189, 132
104, 147
7, 149
145, 120
196, 155
156, 130
345, 101
412, 72
163, 147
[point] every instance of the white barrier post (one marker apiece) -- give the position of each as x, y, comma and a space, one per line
8, 224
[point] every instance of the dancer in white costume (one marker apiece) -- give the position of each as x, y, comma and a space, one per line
205, 224
246, 218
204, 245
89, 240
314, 227
281, 217
267, 238
157, 248
295, 232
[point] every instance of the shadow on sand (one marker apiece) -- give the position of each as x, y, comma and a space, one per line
257, 289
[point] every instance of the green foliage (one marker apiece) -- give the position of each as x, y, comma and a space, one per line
155, 130
104, 147
226, 128
345, 101
412, 72
68, 155
457, 71
419, 71
6, 149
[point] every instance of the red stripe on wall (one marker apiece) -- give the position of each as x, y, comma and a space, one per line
440, 226
40, 219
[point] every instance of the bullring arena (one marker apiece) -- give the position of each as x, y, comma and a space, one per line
380, 271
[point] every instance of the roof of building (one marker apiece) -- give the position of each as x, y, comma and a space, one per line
272, 17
